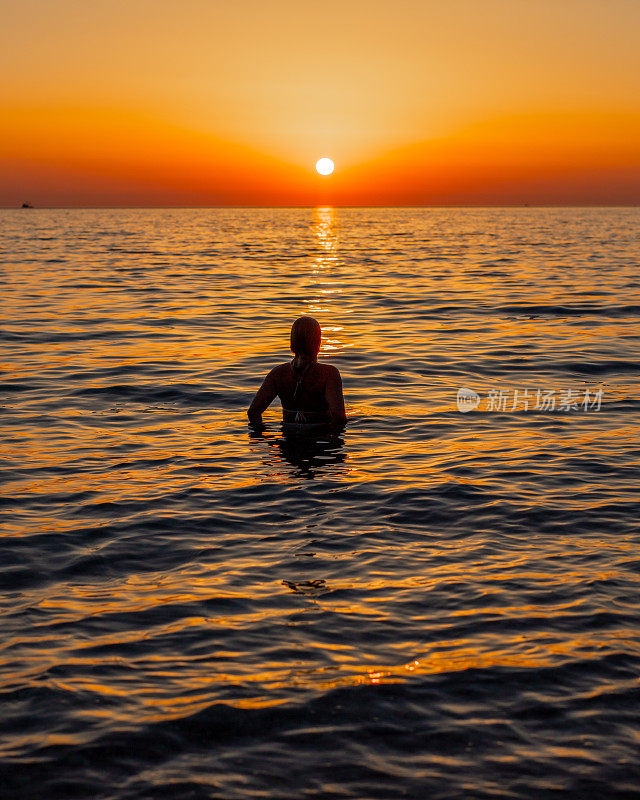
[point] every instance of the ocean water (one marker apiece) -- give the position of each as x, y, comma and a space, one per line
437, 603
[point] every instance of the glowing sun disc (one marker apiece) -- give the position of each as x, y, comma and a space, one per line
325, 166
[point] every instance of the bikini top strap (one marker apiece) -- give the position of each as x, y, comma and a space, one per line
299, 381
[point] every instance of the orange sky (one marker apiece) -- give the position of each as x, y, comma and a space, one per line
203, 102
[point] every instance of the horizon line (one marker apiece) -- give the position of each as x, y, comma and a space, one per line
635, 204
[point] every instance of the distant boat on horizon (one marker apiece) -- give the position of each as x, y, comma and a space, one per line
26, 205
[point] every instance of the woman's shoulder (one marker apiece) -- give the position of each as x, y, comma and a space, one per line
329, 370
281, 370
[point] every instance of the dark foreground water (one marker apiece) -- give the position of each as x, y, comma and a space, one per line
436, 604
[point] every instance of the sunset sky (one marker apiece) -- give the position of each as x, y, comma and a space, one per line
203, 102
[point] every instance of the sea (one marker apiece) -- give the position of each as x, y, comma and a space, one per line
441, 601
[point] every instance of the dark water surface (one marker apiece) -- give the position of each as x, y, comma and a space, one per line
434, 604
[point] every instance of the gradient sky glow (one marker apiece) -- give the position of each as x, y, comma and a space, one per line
202, 102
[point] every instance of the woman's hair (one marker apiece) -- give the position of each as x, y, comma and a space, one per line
305, 341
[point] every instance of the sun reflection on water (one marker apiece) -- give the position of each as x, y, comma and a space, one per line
325, 281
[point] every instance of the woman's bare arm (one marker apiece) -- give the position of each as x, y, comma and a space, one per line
264, 397
335, 398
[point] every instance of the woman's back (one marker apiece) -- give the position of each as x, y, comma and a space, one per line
303, 389
310, 392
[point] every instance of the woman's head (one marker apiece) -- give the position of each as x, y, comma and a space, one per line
305, 340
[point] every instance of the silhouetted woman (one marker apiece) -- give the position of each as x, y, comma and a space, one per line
310, 392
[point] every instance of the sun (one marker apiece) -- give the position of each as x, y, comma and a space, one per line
325, 166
